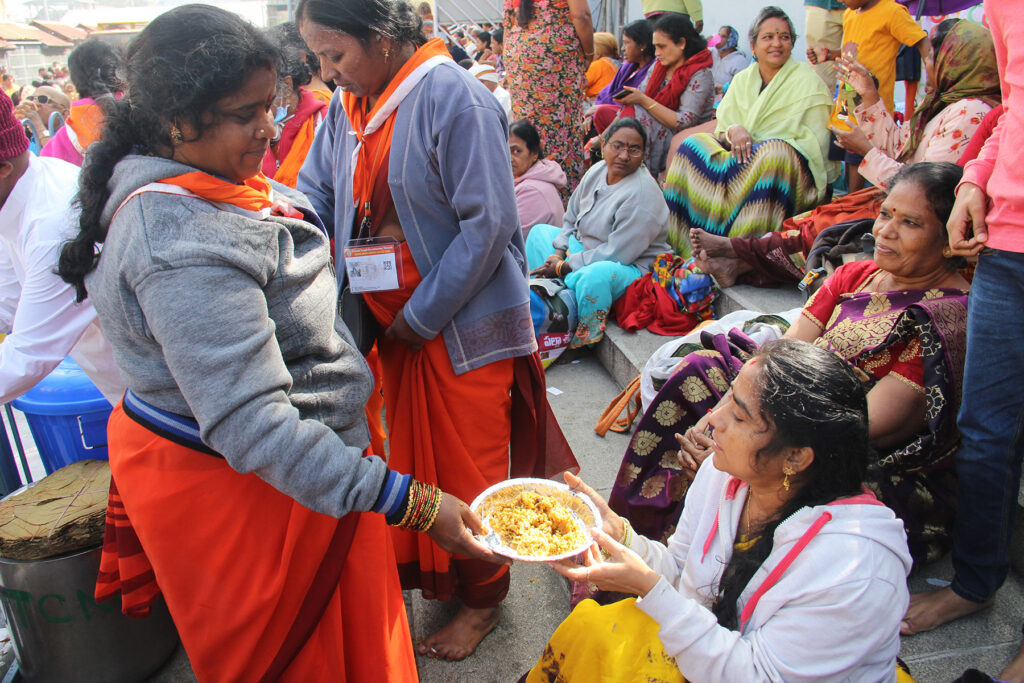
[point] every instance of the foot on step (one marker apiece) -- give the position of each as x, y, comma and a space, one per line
459, 638
935, 608
725, 270
714, 245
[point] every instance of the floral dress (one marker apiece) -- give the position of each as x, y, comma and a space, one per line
546, 78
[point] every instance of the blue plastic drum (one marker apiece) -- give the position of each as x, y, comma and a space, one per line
67, 415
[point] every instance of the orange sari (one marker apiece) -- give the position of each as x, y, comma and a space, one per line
260, 587
436, 437
431, 433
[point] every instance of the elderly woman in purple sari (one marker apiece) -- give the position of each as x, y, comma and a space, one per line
899, 320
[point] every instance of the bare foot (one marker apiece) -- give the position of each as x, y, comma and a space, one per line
1014, 671
714, 245
935, 608
459, 637
724, 269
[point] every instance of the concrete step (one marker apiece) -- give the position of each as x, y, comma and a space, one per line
623, 354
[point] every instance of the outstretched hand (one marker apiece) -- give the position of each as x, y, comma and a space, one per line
453, 531
623, 572
611, 523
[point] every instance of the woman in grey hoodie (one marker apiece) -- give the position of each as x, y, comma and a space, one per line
242, 488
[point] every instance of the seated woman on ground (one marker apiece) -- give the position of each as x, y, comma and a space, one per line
730, 61
963, 85
613, 229
637, 59
537, 180
680, 89
602, 70
782, 567
767, 159
899, 321
483, 54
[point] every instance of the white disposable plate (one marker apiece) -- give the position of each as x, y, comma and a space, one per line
583, 510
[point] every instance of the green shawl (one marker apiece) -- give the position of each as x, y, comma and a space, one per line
793, 108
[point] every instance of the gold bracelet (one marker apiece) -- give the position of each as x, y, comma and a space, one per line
652, 106
627, 532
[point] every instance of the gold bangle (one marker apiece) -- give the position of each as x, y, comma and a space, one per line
651, 106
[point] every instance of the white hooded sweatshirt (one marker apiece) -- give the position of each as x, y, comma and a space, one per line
825, 606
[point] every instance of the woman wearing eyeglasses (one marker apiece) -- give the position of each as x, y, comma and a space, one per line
614, 227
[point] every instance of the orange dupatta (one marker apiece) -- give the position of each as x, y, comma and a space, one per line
375, 136
252, 195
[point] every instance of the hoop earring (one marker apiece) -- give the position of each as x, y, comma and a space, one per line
176, 135
787, 470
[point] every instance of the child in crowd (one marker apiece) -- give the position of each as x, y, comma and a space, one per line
873, 31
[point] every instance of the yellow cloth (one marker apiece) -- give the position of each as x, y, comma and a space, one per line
793, 108
616, 642
878, 34
600, 73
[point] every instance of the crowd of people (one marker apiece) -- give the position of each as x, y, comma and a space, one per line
291, 257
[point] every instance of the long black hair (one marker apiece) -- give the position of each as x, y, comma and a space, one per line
363, 19
525, 14
639, 32
93, 67
810, 398
679, 27
178, 68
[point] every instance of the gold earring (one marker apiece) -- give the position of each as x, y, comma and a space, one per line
947, 252
387, 53
176, 135
787, 470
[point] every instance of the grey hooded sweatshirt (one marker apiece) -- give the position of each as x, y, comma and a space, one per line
232, 321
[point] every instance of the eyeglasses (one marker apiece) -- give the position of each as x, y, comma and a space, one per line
41, 99
634, 150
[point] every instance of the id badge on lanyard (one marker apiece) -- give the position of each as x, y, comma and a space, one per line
372, 263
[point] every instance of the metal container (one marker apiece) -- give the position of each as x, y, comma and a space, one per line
60, 633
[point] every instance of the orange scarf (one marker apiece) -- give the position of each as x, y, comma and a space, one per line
252, 195
375, 146
87, 122
288, 171
323, 95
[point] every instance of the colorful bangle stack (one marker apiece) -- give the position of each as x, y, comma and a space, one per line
420, 508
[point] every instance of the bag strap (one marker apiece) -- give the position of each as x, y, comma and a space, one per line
610, 420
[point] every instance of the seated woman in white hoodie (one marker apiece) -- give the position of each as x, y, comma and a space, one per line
614, 227
782, 567
537, 180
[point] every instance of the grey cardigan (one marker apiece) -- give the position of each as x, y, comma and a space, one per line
233, 321
626, 222
451, 181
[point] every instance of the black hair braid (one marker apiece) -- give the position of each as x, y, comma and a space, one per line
78, 256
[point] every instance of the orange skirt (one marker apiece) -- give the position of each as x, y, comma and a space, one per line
244, 569
445, 429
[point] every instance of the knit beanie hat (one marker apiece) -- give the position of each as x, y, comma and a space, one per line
13, 141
